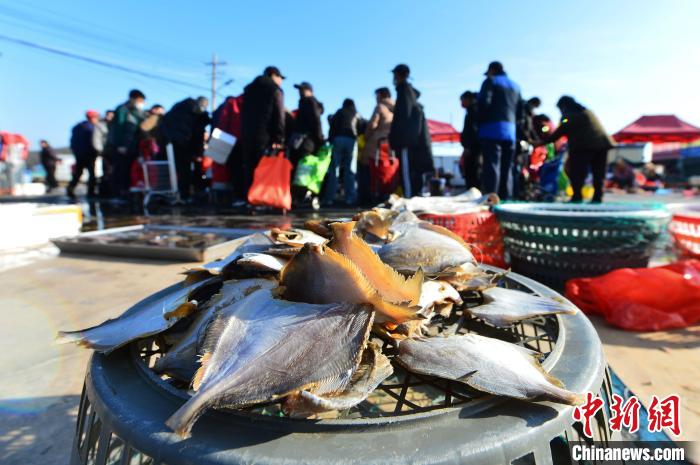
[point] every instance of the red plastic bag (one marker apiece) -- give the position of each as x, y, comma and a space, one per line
271, 183
383, 171
642, 299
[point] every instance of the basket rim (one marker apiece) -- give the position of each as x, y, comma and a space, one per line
583, 211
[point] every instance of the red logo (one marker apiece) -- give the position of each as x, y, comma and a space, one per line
665, 413
583, 413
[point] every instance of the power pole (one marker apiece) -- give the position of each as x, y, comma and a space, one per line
214, 63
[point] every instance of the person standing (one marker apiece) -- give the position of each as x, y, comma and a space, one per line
588, 146
471, 155
49, 159
409, 134
81, 143
499, 105
262, 124
377, 131
123, 141
343, 137
184, 127
307, 133
101, 142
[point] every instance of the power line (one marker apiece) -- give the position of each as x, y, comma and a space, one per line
96, 61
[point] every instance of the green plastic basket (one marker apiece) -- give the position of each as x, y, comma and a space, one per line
553, 242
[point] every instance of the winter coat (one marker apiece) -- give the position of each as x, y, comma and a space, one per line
125, 126
81, 141
48, 156
500, 107
409, 129
185, 122
308, 120
99, 136
377, 129
470, 133
263, 116
584, 132
344, 123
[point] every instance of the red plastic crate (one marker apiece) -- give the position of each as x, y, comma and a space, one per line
480, 229
685, 230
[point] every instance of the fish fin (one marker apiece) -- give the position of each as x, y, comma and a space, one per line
465, 378
415, 286
397, 313
186, 309
212, 333
550, 378
199, 374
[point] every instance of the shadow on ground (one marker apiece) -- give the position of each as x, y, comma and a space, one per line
37, 430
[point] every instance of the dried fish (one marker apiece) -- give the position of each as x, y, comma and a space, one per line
296, 237
261, 348
503, 307
486, 364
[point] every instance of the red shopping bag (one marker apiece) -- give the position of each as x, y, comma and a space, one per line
383, 171
271, 182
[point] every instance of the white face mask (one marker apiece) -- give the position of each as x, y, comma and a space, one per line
139, 105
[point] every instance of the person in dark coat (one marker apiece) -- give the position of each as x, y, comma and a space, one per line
471, 156
307, 132
499, 109
588, 146
81, 144
343, 136
184, 126
122, 140
49, 159
262, 123
409, 136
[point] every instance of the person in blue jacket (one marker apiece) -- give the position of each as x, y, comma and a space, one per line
499, 105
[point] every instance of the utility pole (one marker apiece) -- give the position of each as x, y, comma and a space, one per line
214, 63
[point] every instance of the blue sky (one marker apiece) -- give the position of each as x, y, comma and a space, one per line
620, 58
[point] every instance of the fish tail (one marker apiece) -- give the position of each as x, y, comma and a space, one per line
186, 416
414, 284
77, 337
396, 313
561, 395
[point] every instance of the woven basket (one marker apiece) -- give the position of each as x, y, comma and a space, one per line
556, 242
479, 228
685, 230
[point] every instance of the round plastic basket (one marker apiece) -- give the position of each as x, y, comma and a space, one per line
479, 228
556, 242
685, 230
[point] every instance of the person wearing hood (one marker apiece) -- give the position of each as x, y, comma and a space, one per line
343, 136
500, 105
588, 146
122, 140
184, 127
262, 124
307, 132
409, 136
377, 131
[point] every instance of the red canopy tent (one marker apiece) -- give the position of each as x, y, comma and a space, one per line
442, 132
658, 129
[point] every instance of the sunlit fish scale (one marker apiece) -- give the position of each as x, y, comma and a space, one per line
503, 307
374, 368
320, 275
391, 285
486, 364
422, 246
264, 348
181, 359
151, 317
261, 262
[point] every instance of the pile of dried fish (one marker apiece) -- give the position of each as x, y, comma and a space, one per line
288, 316
155, 237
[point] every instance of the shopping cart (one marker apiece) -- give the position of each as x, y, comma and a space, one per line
160, 178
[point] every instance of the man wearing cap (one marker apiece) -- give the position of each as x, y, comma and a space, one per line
499, 104
307, 135
84, 152
262, 123
409, 136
